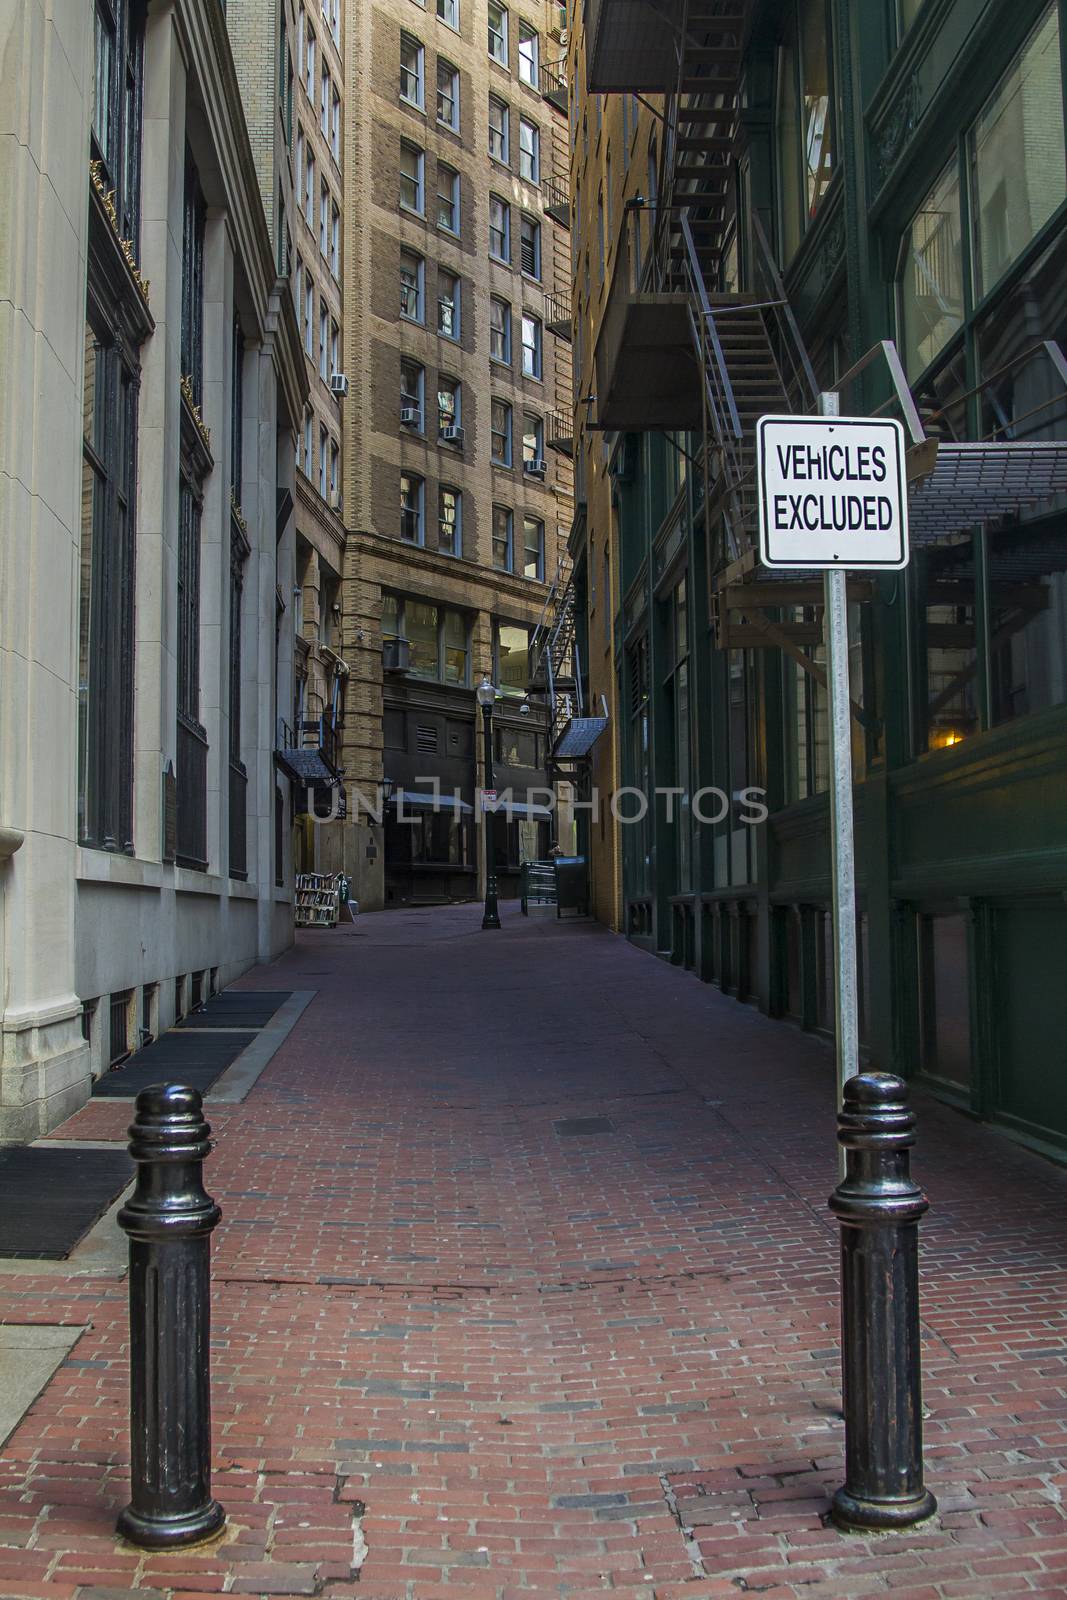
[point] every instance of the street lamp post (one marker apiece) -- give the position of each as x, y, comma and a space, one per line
486, 696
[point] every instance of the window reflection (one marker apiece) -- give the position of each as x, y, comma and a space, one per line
931, 289
805, 120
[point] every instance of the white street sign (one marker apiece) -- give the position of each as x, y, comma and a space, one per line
832, 492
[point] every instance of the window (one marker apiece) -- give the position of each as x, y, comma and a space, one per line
412, 60
531, 346
931, 285
105, 641
309, 191
449, 403
529, 151
511, 652
448, 294
448, 11
498, 32
192, 314
447, 95
309, 316
422, 623
1016, 151
335, 474
411, 177
412, 271
308, 456
503, 553
530, 246
309, 66
450, 524
447, 198
412, 389
454, 633
335, 240
324, 462
299, 162
499, 331
805, 120
324, 104
439, 649
499, 229
533, 438
533, 548
335, 348
528, 54
500, 433
498, 130
324, 221
412, 490
335, 126
324, 338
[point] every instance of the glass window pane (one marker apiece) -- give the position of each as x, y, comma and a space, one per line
815, 84
1018, 157
790, 205
931, 288
421, 626
454, 640
951, 649
513, 651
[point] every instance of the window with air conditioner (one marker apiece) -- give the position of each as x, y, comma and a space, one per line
449, 405
533, 441
412, 389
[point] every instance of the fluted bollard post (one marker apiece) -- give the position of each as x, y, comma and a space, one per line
169, 1220
879, 1206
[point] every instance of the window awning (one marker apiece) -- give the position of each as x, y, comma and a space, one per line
420, 800
579, 737
520, 808
307, 766
973, 484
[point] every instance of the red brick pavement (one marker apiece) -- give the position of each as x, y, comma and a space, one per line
460, 1355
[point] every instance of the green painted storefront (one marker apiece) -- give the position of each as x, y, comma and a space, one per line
933, 212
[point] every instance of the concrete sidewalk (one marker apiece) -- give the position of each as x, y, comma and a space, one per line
465, 1349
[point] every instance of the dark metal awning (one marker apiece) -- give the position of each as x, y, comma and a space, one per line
975, 484
579, 737
422, 800
307, 766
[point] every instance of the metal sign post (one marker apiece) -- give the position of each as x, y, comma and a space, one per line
833, 496
842, 836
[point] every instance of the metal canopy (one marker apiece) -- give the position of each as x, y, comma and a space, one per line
423, 800
307, 766
973, 484
579, 737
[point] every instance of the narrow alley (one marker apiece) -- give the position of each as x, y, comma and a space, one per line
526, 1283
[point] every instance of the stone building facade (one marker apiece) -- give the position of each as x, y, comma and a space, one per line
457, 470
154, 383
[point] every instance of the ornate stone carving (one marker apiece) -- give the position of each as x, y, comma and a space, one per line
107, 200
194, 411
896, 129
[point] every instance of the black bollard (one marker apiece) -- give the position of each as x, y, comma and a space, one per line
169, 1220
879, 1207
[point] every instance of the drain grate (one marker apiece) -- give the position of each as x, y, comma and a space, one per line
237, 1008
51, 1196
583, 1127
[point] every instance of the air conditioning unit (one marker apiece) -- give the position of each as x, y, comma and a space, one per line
451, 435
339, 385
411, 416
396, 655
534, 468
337, 501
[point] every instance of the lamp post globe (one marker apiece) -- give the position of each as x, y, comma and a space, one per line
486, 697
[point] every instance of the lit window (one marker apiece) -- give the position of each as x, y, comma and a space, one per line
533, 438
412, 389
528, 54
529, 151
533, 548
531, 346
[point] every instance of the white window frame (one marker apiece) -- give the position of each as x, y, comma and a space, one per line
529, 159
497, 42
499, 136
456, 306
452, 177
537, 365
418, 510
532, 58
505, 359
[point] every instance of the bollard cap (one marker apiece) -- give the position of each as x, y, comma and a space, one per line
169, 1124
875, 1114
